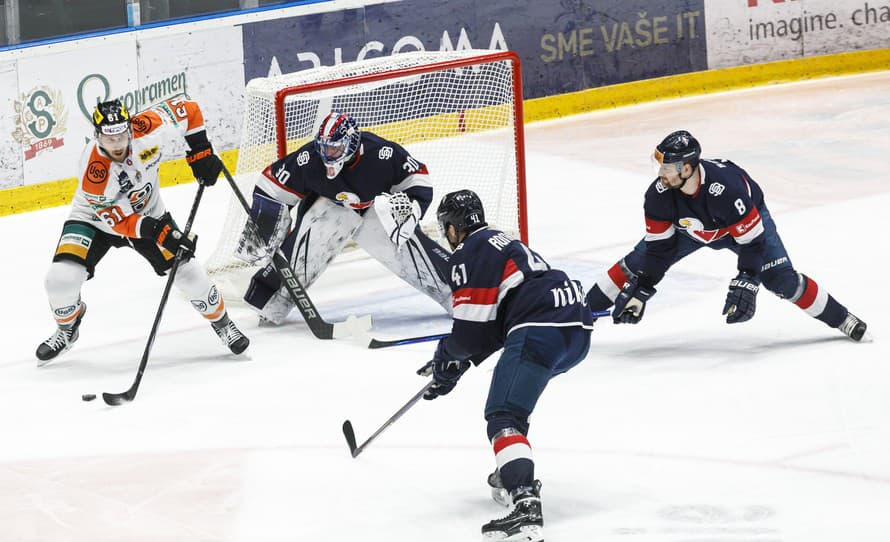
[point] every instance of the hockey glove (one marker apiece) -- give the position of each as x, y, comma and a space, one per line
631, 302
165, 233
741, 300
398, 214
445, 373
205, 165
269, 224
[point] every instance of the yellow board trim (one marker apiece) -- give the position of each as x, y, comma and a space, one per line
56, 193
705, 82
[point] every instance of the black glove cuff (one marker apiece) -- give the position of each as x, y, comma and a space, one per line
197, 141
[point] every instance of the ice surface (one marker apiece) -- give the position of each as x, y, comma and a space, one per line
680, 429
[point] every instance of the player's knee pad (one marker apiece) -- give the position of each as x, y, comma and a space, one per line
785, 283
63, 282
202, 293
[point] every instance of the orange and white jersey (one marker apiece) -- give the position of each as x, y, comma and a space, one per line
114, 196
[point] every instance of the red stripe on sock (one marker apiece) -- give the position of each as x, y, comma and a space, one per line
508, 440
809, 294
617, 276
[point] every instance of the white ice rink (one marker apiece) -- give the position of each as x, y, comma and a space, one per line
680, 429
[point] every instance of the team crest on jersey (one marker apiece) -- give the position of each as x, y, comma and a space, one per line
303, 158
716, 189
139, 198
348, 199
385, 153
696, 229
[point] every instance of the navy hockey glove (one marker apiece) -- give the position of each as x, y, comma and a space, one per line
445, 373
205, 165
741, 301
165, 233
631, 302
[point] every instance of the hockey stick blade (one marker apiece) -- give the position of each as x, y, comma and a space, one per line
116, 399
379, 343
349, 433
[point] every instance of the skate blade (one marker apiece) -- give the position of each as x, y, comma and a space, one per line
501, 496
528, 533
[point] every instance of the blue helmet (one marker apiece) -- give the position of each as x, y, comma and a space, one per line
337, 141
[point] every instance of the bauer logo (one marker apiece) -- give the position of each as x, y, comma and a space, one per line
40, 121
97, 172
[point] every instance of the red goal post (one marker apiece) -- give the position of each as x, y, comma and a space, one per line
458, 112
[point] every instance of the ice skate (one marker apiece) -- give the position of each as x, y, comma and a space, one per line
230, 335
524, 524
60, 341
853, 327
498, 493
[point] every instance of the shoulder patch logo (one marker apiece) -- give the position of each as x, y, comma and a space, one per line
303, 158
385, 153
141, 124
716, 189
97, 172
660, 188
147, 154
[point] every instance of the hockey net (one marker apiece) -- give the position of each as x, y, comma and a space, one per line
458, 112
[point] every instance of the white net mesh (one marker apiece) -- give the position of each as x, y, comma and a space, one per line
460, 121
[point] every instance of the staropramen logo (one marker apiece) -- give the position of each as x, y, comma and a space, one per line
40, 121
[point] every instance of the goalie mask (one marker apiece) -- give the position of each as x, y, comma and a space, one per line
337, 141
462, 210
111, 121
675, 151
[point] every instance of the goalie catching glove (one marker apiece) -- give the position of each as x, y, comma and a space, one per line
398, 214
264, 232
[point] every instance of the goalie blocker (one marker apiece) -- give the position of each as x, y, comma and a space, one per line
334, 181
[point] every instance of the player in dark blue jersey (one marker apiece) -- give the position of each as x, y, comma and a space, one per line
695, 203
348, 185
506, 296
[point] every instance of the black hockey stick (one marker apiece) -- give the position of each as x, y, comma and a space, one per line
349, 433
127, 396
319, 328
376, 343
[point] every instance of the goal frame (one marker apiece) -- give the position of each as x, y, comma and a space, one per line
519, 129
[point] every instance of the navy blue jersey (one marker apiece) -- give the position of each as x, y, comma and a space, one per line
726, 203
379, 166
498, 285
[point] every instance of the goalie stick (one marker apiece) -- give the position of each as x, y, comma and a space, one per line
319, 327
349, 432
378, 343
114, 399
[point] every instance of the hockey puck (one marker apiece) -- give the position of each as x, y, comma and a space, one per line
88, 397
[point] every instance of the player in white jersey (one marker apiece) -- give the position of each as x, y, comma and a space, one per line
118, 204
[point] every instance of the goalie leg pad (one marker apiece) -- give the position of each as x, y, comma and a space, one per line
265, 231
417, 263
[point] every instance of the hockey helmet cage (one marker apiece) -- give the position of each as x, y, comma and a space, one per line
678, 147
461, 209
111, 118
337, 141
